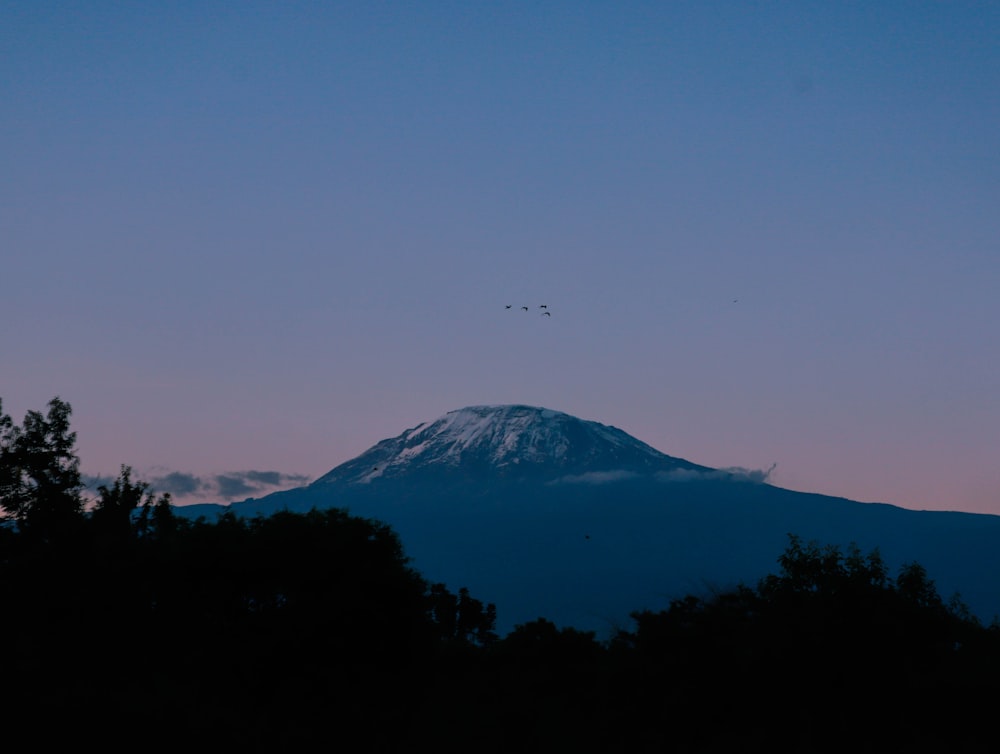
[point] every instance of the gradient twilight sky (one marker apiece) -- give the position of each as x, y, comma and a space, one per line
247, 241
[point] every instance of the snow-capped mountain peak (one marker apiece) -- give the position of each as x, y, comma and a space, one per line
509, 440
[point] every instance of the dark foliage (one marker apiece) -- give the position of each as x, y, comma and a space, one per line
830, 653
40, 473
126, 625
122, 621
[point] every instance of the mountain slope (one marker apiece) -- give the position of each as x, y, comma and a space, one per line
508, 442
548, 515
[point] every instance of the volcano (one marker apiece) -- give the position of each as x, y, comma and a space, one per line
548, 515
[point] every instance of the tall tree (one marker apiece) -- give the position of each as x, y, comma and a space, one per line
462, 619
40, 472
113, 511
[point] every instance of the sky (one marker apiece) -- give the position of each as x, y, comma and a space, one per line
247, 241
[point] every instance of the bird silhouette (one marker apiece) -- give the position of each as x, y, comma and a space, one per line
547, 314
525, 308
543, 306
508, 306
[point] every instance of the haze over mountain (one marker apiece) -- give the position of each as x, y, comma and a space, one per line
548, 515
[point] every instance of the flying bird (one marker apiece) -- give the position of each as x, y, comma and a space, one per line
543, 306
547, 314
508, 306
525, 308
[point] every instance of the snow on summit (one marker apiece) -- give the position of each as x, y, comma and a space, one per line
503, 432
507, 439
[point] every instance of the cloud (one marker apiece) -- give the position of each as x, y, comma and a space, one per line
232, 486
177, 484
596, 477
91, 481
225, 487
731, 473
264, 477
757, 476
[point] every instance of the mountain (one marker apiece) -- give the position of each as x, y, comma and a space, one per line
505, 442
548, 515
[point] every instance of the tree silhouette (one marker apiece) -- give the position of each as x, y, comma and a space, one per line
840, 646
39, 472
461, 619
313, 631
114, 512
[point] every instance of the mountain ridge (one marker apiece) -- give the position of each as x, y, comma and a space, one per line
590, 524
507, 439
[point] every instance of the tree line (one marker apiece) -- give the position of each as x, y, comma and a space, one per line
125, 624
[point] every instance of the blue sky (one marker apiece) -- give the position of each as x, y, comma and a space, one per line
247, 241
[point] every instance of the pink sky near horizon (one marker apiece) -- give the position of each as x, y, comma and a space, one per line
262, 238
